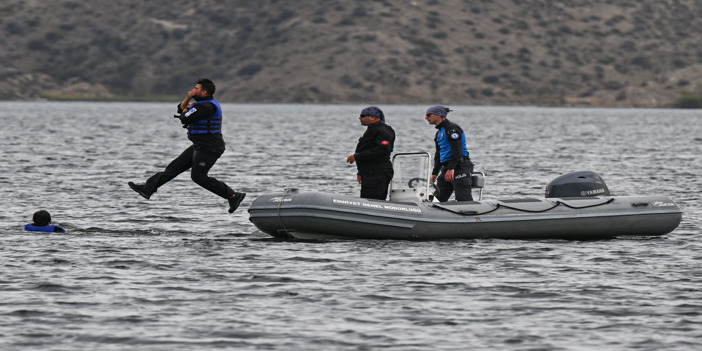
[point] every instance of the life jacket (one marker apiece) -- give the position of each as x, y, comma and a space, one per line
212, 125
44, 228
443, 138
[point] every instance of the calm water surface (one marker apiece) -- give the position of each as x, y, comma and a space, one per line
178, 272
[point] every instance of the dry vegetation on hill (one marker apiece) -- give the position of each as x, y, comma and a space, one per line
553, 52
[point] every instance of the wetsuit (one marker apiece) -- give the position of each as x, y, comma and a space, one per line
452, 153
373, 160
204, 123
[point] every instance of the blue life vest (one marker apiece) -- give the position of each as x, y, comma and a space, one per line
212, 125
442, 139
45, 228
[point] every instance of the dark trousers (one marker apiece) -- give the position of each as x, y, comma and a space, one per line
200, 162
461, 183
374, 183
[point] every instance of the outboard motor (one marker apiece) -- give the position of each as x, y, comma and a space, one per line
577, 184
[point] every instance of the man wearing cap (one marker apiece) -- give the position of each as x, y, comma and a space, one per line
372, 154
452, 157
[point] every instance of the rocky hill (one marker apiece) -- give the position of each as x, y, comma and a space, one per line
545, 52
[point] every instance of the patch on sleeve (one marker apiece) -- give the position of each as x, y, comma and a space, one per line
385, 142
190, 112
455, 136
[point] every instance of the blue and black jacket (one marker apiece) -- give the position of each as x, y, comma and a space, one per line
203, 117
204, 123
450, 146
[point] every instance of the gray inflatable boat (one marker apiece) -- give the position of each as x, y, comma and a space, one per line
577, 206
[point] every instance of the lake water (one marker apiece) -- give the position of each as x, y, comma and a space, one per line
177, 272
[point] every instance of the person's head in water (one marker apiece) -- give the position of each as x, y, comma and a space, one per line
41, 218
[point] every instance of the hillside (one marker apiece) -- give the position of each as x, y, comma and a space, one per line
586, 52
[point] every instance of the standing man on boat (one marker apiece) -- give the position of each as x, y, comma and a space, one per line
452, 159
372, 154
203, 119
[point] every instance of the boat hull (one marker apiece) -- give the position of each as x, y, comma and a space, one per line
314, 215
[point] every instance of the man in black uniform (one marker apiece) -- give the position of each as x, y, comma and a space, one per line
203, 119
372, 154
452, 158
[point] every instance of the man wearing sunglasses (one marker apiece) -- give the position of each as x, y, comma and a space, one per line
452, 159
372, 154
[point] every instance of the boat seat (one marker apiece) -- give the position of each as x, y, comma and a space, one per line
477, 180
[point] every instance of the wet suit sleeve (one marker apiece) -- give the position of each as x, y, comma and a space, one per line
203, 110
437, 158
455, 137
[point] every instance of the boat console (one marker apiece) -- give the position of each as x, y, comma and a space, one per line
412, 179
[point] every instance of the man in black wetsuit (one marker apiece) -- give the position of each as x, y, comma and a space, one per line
452, 158
372, 154
203, 119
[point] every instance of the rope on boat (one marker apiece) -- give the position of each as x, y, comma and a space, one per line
498, 206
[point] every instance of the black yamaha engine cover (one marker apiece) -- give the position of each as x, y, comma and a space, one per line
577, 184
